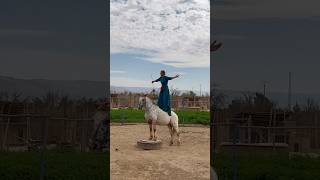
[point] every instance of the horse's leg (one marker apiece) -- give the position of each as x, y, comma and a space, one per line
176, 129
154, 130
178, 134
150, 128
171, 133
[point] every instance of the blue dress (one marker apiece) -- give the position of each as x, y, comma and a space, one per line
164, 96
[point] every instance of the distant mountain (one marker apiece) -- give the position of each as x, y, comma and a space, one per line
98, 89
281, 98
39, 87
116, 89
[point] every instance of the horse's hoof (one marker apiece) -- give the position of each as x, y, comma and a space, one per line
179, 143
171, 143
150, 138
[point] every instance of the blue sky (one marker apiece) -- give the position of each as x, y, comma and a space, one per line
132, 71
53, 39
263, 41
148, 36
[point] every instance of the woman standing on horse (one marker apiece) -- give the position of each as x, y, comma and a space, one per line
164, 96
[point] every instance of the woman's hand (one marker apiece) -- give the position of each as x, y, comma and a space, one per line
177, 75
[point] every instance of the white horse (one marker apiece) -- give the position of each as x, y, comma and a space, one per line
156, 116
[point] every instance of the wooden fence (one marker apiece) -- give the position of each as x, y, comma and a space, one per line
265, 131
26, 131
131, 101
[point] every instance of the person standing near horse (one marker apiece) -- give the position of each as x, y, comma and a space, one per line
164, 96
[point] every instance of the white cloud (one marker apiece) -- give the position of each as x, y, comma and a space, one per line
180, 73
129, 82
246, 9
117, 72
170, 32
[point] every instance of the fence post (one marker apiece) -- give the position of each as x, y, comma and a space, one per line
4, 144
234, 159
83, 135
274, 132
44, 144
28, 131
249, 128
269, 130
316, 130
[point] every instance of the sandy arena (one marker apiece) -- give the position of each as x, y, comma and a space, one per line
191, 160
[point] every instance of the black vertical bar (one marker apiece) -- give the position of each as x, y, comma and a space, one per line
212, 103
107, 122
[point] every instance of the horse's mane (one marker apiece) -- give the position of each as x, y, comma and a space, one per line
149, 100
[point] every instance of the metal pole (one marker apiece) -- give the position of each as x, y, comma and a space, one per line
264, 89
289, 92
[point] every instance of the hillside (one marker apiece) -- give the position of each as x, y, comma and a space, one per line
38, 87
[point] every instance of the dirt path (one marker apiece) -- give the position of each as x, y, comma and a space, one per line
191, 160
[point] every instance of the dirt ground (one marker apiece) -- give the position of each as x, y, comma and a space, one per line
190, 160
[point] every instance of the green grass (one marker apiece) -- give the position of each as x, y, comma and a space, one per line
58, 166
137, 116
268, 167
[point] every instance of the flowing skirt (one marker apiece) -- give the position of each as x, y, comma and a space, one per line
164, 100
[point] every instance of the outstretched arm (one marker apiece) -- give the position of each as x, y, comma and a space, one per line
174, 77
156, 80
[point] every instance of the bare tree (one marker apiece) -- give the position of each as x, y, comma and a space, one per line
311, 105
189, 94
175, 92
296, 108
219, 100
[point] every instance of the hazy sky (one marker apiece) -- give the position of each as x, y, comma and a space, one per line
150, 35
264, 40
53, 39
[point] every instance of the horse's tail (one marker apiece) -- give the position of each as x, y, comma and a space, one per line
174, 121
175, 125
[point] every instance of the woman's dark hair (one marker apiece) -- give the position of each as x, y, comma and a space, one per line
162, 71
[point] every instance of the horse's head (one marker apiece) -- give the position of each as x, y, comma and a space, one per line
142, 102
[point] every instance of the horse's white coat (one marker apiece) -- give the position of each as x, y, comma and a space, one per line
157, 116
154, 113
